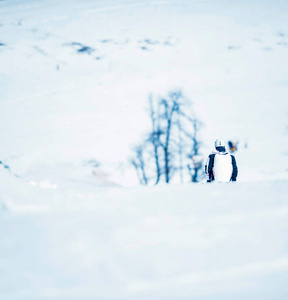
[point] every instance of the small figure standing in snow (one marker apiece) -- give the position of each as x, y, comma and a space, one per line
232, 146
221, 166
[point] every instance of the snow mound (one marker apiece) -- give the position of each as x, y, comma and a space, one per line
207, 241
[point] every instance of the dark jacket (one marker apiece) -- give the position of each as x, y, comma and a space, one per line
210, 164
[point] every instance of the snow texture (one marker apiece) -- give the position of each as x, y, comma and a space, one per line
75, 77
217, 241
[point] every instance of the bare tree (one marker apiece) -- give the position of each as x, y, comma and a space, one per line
180, 148
154, 137
167, 144
170, 108
196, 158
139, 164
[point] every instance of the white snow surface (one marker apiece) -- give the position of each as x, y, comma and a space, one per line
61, 106
218, 241
70, 231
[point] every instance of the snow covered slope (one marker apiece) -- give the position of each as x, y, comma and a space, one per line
75, 78
216, 241
74, 81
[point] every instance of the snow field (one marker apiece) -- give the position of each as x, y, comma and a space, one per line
229, 59
213, 241
75, 77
